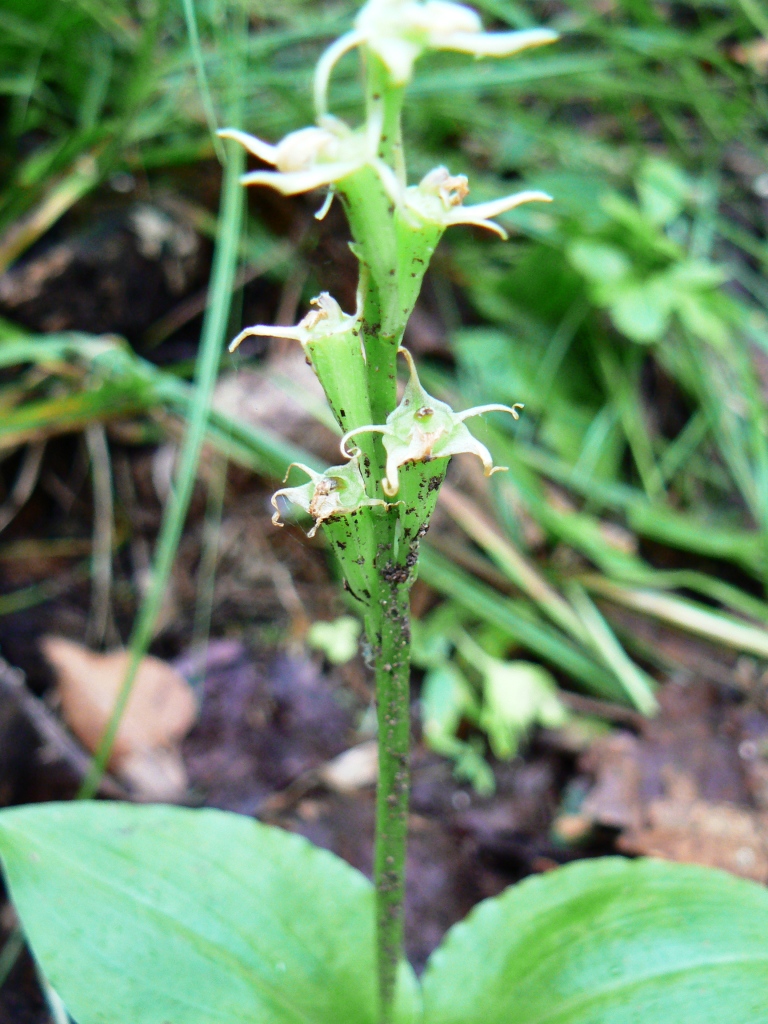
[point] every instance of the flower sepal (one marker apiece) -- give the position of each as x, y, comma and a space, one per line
422, 428
439, 197
331, 341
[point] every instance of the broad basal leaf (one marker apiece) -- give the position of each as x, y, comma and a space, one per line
608, 942
162, 915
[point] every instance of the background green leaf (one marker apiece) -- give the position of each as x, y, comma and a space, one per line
163, 915
608, 942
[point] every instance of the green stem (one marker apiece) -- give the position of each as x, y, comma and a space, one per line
384, 102
392, 670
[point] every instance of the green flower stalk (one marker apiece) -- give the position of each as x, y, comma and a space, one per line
375, 507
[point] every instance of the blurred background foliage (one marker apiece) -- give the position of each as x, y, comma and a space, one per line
630, 316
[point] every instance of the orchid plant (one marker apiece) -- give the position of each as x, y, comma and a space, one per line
375, 508
159, 915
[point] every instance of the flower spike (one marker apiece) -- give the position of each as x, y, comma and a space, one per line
439, 198
338, 491
423, 428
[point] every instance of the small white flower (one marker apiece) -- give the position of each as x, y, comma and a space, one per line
327, 318
422, 428
399, 31
439, 198
313, 157
338, 491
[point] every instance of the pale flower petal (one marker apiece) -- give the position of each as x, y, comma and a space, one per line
484, 211
263, 331
303, 149
497, 44
442, 18
399, 31
325, 318
301, 181
438, 198
263, 150
479, 410
327, 63
315, 157
461, 441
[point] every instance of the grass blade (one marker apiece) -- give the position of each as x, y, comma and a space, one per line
212, 342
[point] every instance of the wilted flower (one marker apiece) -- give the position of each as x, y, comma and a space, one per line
439, 198
340, 490
422, 428
399, 31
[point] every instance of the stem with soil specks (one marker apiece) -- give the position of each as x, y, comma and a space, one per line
392, 669
376, 506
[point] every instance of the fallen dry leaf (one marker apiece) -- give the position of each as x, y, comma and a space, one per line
160, 712
355, 769
678, 790
754, 54
682, 827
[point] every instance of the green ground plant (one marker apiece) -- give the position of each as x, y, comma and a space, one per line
155, 914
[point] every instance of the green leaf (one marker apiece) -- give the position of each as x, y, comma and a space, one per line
642, 311
599, 262
516, 696
608, 941
163, 915
446, 697
702, 320
663, 190
338, 640
698, 275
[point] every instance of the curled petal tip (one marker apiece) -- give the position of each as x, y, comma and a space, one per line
263, 150
496, 469
371, 428
478, 410
276, 521
262, 331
